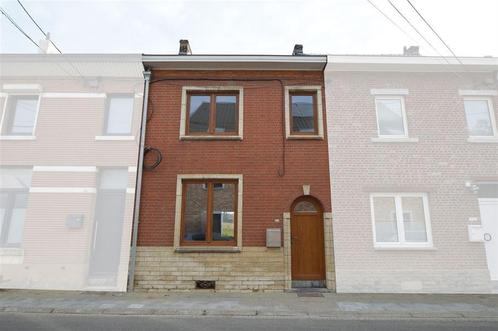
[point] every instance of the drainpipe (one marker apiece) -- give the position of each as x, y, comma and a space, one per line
138, 186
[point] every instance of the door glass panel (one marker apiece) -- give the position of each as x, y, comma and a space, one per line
386, 228
414, 219
195, 215
223, 211
305, 206
199, 113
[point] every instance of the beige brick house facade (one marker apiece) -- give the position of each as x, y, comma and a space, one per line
433, 160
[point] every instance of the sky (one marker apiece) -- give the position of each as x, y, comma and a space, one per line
470, 28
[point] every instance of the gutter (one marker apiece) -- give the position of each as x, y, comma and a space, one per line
138, 186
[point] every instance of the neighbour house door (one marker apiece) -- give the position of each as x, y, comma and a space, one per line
307, 242
489, 220
108, 227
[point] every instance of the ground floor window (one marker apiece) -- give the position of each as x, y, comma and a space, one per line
209, 212
400, 219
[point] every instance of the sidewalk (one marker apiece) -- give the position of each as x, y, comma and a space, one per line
300, 305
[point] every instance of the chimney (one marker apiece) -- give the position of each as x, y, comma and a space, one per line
184, 48
411, 51
45, 46
298, 50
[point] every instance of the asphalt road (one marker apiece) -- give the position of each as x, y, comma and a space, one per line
53, 322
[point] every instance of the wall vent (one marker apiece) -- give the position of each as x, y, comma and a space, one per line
205, 284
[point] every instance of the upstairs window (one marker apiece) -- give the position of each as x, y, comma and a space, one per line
480, 117
20, 115
119, 115
212, 113
303, 113
391, 117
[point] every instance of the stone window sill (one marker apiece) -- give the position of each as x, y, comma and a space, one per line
108, 138
203, 249
304, 137
17, 137
404, 248
483, 140
210, 138
393, 140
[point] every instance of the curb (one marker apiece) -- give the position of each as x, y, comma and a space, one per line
346, 315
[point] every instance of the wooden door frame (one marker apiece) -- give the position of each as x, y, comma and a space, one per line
328, 246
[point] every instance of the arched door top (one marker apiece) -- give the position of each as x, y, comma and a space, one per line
306, 204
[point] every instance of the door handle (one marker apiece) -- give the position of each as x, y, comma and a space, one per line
487, 236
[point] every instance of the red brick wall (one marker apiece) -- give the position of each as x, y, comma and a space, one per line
258, 157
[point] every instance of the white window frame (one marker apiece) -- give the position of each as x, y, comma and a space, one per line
319, 111
178, 213
402, 243
403, 112
183, 113
32, 136
491, 116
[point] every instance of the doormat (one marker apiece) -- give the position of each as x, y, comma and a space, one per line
310, 294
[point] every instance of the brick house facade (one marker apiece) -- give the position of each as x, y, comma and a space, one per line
387, 170
267, 167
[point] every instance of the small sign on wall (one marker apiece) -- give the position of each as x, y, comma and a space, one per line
475, 233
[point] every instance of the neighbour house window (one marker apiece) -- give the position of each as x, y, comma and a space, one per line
119, 115
480, 117
303, 111
212, 113
391, 117
209, 212
401, 219
14, 191
20, 115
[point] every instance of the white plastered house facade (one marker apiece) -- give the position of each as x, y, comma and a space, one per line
69, 128
413, 153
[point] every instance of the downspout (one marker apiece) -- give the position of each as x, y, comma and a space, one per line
138, 186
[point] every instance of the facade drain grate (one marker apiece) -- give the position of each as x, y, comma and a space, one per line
205, 284
310, 294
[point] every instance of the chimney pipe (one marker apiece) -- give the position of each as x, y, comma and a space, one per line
45, 46
184, 48
411, 51
298, 50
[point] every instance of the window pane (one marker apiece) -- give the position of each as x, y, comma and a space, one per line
119, 115
414, 219
226, 113
195, 214
199, 113
478, 118
15, 177
390, 117
386, 229
302, 113
305, 206
223, 211
21, 115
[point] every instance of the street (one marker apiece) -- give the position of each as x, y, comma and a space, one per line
38, 322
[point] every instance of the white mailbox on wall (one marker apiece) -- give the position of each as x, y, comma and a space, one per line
273, 238
476, 233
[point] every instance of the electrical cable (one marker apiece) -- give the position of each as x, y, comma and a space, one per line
33, 20
18, 27
280, 172
437, 34
159, 157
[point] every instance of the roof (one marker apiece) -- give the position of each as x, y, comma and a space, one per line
234, 62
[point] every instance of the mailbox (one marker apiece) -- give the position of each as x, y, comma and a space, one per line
273, 238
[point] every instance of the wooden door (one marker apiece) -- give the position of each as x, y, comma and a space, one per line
307, 242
